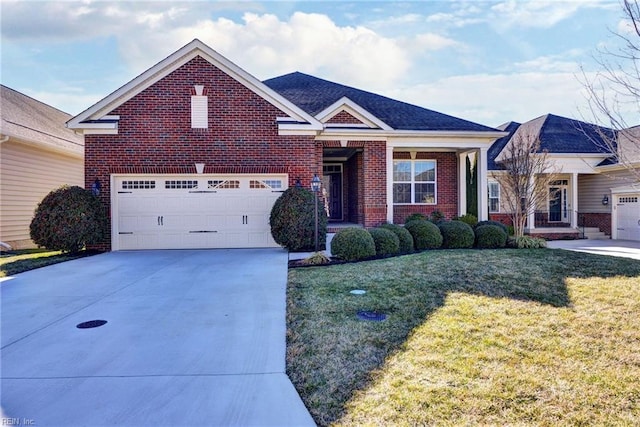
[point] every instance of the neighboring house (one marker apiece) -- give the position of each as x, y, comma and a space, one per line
37, 155
590, 182
194, 151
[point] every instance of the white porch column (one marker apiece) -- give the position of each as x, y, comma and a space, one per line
462, 183
483, 198
531, 218
389, 184
574, 200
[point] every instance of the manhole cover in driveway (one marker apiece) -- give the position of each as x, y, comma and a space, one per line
372, 316
91, 324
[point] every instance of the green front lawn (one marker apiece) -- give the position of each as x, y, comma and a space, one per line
492, 337
19, 261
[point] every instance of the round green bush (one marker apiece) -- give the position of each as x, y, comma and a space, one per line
456, 235
352, 244
386, 241
499, 224
426, 234
415, 216
470, 219
68, 219
405, 238
292, 220
490, 237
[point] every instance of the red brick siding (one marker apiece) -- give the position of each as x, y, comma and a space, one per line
600, 220
344, 117
501, 217
446, 184
375, 183
155, 131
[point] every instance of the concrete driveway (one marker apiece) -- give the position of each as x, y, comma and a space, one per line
618, 248
193, 338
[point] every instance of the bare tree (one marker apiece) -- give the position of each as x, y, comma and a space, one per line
613, 94
525, 177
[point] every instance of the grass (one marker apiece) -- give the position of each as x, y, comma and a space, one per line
19, 261
492, 337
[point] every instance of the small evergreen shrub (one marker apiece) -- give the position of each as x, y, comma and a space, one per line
414, 217
456, 235
436, 217
67, 219
405, 238
426, 234
499, 224
292, 220
470, 219
352, 244
386, 241
490, 237
526, 242
317, 258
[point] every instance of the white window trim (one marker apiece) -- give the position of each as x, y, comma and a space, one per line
413, 182
497, 184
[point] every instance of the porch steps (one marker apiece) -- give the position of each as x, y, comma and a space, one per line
594, 233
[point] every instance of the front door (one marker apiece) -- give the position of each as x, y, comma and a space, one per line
332, 185
558, 211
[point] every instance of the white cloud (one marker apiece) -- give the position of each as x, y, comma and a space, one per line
493, 99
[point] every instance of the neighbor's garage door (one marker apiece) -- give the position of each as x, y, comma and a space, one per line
628, 217
194, 211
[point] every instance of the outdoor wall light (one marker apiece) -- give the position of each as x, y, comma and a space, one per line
605, 200
96, 187
298, 183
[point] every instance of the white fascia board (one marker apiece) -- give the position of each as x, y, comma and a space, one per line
332, 133
633, 188
172, 63
618, 167
355, 110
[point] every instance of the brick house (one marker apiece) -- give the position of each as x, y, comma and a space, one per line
594, 195
193, 152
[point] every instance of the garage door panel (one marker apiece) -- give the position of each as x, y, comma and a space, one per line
186, 212
628, 217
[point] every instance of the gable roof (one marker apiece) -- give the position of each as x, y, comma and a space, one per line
315, 95
37, 123
557, 135
95, 119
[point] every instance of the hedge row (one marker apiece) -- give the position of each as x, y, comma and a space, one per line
418, 234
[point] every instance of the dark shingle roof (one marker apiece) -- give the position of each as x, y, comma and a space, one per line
314, 95
557, 135
28, 119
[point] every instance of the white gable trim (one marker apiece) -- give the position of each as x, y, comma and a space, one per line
345, 104
97, 112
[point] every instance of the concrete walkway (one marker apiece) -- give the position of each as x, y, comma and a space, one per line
619, 248
193, 338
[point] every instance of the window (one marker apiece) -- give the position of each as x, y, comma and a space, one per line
220, 183
138, 185
267, 183
494, 197
414, 182
180, 184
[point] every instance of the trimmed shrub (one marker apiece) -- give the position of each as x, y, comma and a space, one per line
352, 244
67, 219
414, 217
456, 235
499, 224
292, 220
426, 235
526, 242
490, 237
436, 217
405, 238
386, 241
470, 219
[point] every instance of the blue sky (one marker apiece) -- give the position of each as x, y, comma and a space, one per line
484, 61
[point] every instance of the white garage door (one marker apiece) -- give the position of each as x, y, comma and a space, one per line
194, 211
628, 217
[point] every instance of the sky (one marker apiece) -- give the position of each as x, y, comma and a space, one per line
489, 62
